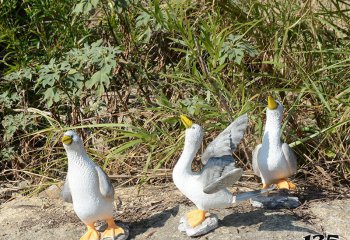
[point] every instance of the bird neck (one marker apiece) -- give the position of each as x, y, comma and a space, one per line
77, 157
272, 131
187, 156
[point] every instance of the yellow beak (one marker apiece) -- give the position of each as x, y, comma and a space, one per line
271, 103
67, 140
185, 121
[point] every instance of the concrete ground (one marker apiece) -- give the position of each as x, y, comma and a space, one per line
153, 212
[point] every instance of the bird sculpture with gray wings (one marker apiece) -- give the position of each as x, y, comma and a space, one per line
207, 189
273, 160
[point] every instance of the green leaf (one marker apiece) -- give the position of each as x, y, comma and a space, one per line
99, 77
94, 3
125, 146
51, 95
79, 8
239, 56
330, 153
100, 90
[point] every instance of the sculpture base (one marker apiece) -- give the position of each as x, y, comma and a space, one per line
275, 201
210, 223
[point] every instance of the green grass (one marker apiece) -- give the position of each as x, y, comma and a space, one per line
122, 74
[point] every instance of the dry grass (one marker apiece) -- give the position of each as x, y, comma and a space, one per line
210, 60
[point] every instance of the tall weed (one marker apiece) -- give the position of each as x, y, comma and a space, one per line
121, 74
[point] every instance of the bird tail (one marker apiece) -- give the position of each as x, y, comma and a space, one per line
248, 195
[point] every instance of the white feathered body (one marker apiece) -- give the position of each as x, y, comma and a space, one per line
272, 163
269, 158
188, 182
208, 189
88, 202
192, 188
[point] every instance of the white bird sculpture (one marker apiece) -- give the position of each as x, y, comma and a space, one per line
273, 160
207, 189
88, 187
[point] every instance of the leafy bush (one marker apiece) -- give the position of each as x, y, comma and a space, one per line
122, 72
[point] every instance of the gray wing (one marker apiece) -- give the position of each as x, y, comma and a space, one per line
227, 140
248, 195
219, 173
106, 187
65, 193
255, 160
290, 158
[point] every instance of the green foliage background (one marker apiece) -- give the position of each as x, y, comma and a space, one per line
121, 73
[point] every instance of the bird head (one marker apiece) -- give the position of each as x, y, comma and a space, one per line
274, 108
71, 141
194, 133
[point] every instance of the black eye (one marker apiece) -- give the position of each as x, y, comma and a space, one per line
193, 127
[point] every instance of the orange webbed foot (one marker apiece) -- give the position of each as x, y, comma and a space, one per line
91, 233
112, 230
284, 184
195, 217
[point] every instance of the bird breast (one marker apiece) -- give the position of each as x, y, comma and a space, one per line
272, 164
88, 202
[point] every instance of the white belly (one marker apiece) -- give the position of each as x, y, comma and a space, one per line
273, 166
88, 203
193, 190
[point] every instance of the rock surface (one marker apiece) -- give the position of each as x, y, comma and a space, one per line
333, 216
154, 212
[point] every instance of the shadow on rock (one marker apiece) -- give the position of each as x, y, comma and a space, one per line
156, 221
243, 219
283, 222
312, 192
268, 220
